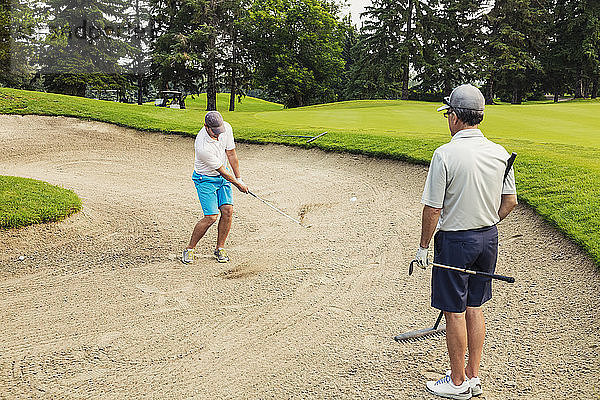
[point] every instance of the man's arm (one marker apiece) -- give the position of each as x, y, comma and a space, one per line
429, 222
234, 162
225, 174
508, 202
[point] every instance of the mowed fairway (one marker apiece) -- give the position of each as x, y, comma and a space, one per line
100, 307
557, 170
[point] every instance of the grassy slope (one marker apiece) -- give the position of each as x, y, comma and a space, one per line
558, 168
28, 201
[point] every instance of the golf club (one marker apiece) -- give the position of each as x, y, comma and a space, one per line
508, 279
278, 210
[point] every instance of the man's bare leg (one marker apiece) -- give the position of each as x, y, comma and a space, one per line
456, 340
224, 224
475, 337
200, 229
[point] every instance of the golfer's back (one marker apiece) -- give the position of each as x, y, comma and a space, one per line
471, 168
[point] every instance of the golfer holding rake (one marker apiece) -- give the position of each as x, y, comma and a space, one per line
465, 196
214, 146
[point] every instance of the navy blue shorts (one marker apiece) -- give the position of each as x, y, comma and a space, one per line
476, 250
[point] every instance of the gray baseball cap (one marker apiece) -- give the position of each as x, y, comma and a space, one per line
467, 97
214, 120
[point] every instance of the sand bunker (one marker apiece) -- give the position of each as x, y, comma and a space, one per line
101, 308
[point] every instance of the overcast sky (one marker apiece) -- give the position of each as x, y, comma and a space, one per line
355, 8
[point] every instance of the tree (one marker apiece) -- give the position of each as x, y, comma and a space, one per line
19, 45
85, 42
179, 52
578, 33
451, 48
516, 37
296, 46
237, 61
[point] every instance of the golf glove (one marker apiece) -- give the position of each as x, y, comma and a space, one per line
241, 181
422, 257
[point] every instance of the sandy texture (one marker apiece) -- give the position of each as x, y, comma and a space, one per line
102, 309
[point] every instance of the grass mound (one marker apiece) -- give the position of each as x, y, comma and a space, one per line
26, 201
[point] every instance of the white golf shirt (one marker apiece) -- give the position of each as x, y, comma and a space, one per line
210, 153
465, 180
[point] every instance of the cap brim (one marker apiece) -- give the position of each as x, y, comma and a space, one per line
217, 130
442, 108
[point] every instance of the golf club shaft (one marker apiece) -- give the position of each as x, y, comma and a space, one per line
275, 208
508, 279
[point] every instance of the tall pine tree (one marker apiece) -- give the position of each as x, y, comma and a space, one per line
451, 52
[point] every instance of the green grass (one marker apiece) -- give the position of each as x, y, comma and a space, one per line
28, 201
558, 168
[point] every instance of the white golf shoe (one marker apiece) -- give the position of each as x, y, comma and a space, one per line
445, 388
474, 382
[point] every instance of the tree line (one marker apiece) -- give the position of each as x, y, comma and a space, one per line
302, 52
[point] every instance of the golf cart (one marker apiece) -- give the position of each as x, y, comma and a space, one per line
171, 99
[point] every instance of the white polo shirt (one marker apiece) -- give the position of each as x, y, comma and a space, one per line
210, 153
465, 180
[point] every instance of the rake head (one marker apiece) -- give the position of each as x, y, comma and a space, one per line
420, 335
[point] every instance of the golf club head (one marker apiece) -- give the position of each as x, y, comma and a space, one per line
411, 267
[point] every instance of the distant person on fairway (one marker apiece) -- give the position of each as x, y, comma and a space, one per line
465, 196
214, 146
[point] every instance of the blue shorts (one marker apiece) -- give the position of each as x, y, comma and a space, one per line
476, 250
213, 192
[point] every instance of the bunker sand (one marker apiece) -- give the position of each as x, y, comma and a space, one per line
101, 308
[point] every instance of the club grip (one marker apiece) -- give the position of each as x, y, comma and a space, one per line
508, 279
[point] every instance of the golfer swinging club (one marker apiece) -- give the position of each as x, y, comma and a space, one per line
214, 146
465, 196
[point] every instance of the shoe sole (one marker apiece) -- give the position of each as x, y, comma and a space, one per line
478, 393
222, 261
450, 396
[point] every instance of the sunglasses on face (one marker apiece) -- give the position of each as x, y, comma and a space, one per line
447, 113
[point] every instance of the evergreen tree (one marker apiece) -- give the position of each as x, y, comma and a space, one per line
451, 51
19, 46
578, 33
387, 48
180, 53
85, 42
237, 60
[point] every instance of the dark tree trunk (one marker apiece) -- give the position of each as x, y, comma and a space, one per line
579, 86
516, 97
594, 92
138, 62
211, 78
405, 72
140, 85
233, 87
489, 91
556, 94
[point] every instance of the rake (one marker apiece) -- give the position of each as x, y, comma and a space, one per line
310, 138
438, 330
